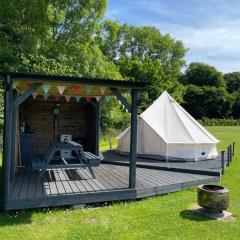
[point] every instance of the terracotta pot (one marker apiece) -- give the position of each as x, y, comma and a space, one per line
213, 197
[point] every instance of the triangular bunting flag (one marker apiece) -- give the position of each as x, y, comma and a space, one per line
107, 98
45, 97
18, 91
61, 89
46, 88
29, 85
75, 89
98, 98
67, 98
88, 89
15, 84
77, 98
129, 92
34, 95
88, 99
102, 90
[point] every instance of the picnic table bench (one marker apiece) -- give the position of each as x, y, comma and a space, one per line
45, 162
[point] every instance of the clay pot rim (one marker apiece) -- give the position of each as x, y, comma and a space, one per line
221, 189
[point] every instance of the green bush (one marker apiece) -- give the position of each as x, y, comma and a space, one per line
219, 122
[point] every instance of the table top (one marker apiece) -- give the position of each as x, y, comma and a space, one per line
68, 145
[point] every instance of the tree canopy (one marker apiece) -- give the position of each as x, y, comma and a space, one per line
201, 74
232, 81
72, 37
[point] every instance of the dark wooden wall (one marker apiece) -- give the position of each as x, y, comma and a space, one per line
77, 119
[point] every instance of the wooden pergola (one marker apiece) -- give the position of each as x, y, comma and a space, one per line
27, 84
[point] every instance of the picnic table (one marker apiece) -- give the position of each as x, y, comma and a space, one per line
45, 162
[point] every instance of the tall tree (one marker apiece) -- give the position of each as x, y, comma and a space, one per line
206, 94
201, 74
232, 81
144, 54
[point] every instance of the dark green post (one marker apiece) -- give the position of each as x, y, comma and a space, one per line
230, 152
222, 160
97, 128
133, 140
13, 137
233, 149
228, 156
7, 141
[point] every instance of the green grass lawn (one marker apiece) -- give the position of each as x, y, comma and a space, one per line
161, 217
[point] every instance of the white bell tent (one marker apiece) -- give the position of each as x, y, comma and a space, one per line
166, 131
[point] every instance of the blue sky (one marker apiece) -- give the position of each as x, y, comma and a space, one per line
210, 29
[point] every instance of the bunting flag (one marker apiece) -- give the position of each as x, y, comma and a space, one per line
67, 98
18, 91
88, 89
77, 98
129, 92
107, 98
75, 89
102, 90
61, 89
57, 98
88, 99
45, 97
29, 85
98, 98
15, 84
46, 88
34, 95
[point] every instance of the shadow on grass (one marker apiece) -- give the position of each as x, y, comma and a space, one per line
193, 216
15, 218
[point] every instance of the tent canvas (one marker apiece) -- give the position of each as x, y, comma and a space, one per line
167, 131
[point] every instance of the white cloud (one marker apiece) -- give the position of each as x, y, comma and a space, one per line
210, 29
217, 44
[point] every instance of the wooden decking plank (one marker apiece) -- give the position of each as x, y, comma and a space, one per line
17, 186
104, 179
32, 186
115, 173
13, 181
140, 183
73, 174
45, 184
148, 179
164, 180
171, 177
52, 182
95, 181
71, 183
182, 177
89, 184
115, 182
65, 182
58, 182
25, 185
38, 187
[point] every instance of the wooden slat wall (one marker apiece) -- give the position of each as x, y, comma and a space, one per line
77, 119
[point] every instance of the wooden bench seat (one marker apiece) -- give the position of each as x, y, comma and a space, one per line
92, 160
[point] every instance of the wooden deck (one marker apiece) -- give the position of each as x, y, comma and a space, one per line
213, 165
106, 183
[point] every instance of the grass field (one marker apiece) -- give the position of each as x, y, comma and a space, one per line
162, 217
